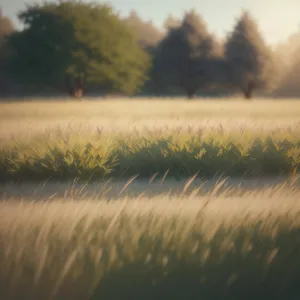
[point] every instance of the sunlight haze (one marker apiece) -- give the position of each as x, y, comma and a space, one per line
277, 19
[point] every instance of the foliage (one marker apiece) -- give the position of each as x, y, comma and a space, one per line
183, 56
249, 58
171, 22
146, 33
287, 56
148, 36
6, 26
83, 41
151, 249
6, 29
182, 156
289, 84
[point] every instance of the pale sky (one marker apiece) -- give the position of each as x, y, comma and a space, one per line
277, 19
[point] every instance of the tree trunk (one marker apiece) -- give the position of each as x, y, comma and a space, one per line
248, 91
69, 86
77, 90
191, 92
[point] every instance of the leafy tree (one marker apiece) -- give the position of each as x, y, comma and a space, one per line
148, 36
249, 58
6, 29
288, 55
6, 26
289, 85
171, 22
183, 56
146, 33
71, 43
287, 51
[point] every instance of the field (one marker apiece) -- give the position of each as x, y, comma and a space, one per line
150, 199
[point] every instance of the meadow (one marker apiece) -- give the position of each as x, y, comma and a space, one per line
150, 199
93, 140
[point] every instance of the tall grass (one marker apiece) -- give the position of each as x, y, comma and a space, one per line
195, 247
222, 244
152, 137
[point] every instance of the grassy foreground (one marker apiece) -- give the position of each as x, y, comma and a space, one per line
152, 248
221, 244
65, 157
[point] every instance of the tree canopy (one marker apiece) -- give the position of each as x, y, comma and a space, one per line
182, 56
171, 22
75, 47
6, 25
146, 33
6, 29
78, 42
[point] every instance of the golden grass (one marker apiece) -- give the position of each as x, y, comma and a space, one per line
152, 108
157, 239
66, 249
139, 115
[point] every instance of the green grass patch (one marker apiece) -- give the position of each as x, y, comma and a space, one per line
65, 157
151, 249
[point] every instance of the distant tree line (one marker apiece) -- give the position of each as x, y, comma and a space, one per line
86, 48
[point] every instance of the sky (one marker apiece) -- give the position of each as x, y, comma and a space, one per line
277, 19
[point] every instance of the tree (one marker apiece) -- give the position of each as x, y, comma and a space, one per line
6, 26
287, 51
249, 58
288, 62
183, 56
6, 29
146, 33
289, 85
71, 43
171, 22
